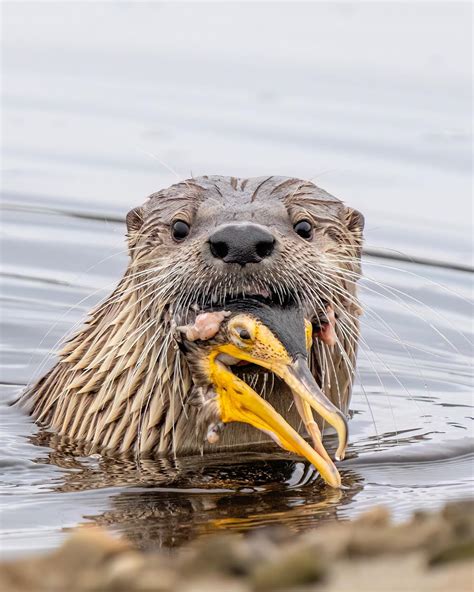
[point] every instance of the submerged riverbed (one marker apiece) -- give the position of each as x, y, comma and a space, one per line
93, 128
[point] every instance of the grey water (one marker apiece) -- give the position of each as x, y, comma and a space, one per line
102, 104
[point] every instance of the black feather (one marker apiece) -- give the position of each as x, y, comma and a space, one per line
285, 322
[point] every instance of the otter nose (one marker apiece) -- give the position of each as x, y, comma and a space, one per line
241, 243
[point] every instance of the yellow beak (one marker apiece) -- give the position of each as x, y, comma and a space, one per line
300, 380
239, 402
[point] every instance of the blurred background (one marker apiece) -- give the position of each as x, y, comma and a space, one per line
105, 103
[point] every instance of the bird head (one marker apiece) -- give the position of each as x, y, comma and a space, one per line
266, 338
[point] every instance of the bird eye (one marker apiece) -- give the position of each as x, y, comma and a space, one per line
304, 228
180, 230
244, 334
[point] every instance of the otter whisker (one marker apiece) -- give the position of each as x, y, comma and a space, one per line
399, 294
76, 305
387, 396
363, 341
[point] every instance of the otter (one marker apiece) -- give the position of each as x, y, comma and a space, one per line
122, 384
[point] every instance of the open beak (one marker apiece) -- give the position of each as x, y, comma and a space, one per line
239, 402
298, 377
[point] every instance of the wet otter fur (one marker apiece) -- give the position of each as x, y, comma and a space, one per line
121, 384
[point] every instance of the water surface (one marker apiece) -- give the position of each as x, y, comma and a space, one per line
95, 118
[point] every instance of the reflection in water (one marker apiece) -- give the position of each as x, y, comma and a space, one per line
153, 519
176, 500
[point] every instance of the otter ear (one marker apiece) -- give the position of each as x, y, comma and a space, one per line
134, 223
355, 224
355, 221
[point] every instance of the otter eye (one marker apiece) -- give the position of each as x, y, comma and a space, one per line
304, 228
180, 230
243, 333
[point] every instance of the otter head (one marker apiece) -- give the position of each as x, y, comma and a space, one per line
209, 239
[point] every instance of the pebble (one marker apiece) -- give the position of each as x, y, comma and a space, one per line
430, 552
